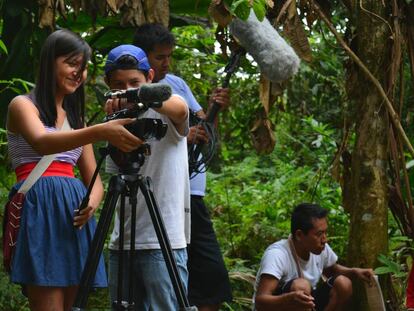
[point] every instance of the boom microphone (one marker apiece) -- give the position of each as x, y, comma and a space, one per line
195, 164
146, 94
276, 59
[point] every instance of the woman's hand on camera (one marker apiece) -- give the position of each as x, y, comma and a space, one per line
117, 135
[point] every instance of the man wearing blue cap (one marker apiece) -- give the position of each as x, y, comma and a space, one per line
127, 67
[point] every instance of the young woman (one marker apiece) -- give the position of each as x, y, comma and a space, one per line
53, 241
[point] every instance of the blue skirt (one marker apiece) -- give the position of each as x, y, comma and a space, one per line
50, 251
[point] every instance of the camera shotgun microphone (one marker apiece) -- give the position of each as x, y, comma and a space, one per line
150, 94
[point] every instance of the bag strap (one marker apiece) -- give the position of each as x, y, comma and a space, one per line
41, 166
295, 256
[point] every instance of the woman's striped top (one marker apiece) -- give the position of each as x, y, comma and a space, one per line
21, 152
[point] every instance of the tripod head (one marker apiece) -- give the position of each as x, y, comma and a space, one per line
145, 129
129, 163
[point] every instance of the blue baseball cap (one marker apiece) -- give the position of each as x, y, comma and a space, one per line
126, 49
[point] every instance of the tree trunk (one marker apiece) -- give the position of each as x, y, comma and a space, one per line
368, 197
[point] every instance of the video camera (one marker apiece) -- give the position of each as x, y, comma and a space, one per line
140, 99
148, 94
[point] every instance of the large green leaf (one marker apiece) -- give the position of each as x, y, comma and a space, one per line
3, 47
241, 8
383, 270
259, 8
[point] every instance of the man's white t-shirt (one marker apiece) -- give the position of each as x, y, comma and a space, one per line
180, 87
168, 168
279, 262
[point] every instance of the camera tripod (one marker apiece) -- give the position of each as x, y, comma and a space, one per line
126, 184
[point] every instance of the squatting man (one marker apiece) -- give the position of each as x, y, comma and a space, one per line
290, 273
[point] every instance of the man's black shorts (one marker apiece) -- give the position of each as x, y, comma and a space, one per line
208, 282
321, 293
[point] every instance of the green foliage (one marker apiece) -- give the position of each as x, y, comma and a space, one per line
319, 87
259, 8
389, 266
194, 59
7, 178
398, 262
22, 38
241, 8
257, 193
18, 86
3, 47
11, 298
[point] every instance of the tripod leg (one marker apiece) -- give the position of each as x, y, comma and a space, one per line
145, 186
133, 190
116, 187
120, 253
119, 303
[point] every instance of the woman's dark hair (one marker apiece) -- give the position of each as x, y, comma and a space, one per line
60, 43
303, 216
147, 36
